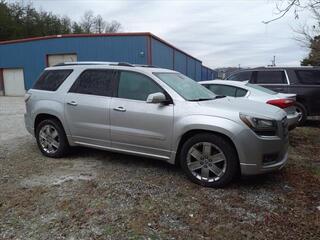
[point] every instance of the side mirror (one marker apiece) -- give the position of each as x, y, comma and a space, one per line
157, 97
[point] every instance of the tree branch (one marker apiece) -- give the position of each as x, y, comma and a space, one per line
283, 12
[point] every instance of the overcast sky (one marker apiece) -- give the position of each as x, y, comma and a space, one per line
218, 32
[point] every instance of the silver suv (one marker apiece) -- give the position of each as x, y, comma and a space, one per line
157, 113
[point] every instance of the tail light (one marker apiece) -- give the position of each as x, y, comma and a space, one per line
282, 103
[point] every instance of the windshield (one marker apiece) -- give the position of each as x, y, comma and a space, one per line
186, 87
262, 89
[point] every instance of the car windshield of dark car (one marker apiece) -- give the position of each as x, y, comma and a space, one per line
187, 88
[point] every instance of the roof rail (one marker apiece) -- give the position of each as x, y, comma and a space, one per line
145, 65
94, 63
122, 64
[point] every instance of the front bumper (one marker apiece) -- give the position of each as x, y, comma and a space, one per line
259, 155
28, 123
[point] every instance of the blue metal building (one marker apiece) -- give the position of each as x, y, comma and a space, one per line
21, 61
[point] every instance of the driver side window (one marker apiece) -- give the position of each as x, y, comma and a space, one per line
136, 86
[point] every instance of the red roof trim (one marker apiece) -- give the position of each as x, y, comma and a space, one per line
74, 35
96, 35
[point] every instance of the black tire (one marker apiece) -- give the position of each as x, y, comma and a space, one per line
300, 108
231, 156
63, 141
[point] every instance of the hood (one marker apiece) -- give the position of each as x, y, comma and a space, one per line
229, 107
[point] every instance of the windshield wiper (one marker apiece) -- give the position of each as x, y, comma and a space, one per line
201, 99
220, 96
206, 99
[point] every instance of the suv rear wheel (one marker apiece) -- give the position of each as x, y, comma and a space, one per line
209, 160
51, 138
303, 113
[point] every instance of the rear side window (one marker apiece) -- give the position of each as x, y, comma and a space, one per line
271, 77
241, 92
51, 80
136, 86
241, 76
94, 82
222, 90
311, 77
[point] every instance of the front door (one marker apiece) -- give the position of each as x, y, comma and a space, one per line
87, 108
138, 126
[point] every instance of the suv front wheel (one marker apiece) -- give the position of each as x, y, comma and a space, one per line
51, 138
209, 160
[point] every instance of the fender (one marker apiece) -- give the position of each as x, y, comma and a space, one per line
220, 125
50, 107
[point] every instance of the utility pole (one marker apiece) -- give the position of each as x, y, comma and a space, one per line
273, 61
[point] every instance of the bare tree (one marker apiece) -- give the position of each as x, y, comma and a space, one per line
113, 26
96, 24
87, 22
285, 6
306, 33
99, 24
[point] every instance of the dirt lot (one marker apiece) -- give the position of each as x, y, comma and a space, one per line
99, 195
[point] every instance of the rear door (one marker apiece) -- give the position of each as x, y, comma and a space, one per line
87, 107
308, 89
138, 126
275, 80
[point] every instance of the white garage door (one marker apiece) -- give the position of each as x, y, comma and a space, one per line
60, 58
13, 82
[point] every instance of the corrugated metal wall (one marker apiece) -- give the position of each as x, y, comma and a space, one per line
139, 49
208, 74
180, 62
31, 56
162, 55
166, 56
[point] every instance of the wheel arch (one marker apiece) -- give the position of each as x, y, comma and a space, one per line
303, 102
194, 132
43, 116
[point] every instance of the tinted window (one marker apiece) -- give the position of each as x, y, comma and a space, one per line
309, 76
94, 82
136, 86
51, 80
275, 77
241, 92
222, 90
242, 76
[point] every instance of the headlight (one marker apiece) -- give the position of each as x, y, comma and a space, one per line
263, 127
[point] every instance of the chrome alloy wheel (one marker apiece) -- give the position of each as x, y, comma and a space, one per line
206, 161
49, 139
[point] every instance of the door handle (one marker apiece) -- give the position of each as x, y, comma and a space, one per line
72, 103
120, 109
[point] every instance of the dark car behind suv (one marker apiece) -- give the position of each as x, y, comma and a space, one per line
302, 81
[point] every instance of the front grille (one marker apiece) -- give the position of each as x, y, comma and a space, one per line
284, 124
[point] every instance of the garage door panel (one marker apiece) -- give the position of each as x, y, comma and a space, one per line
60, 58
13, 80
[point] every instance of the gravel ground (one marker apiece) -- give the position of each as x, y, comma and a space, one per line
93, 194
